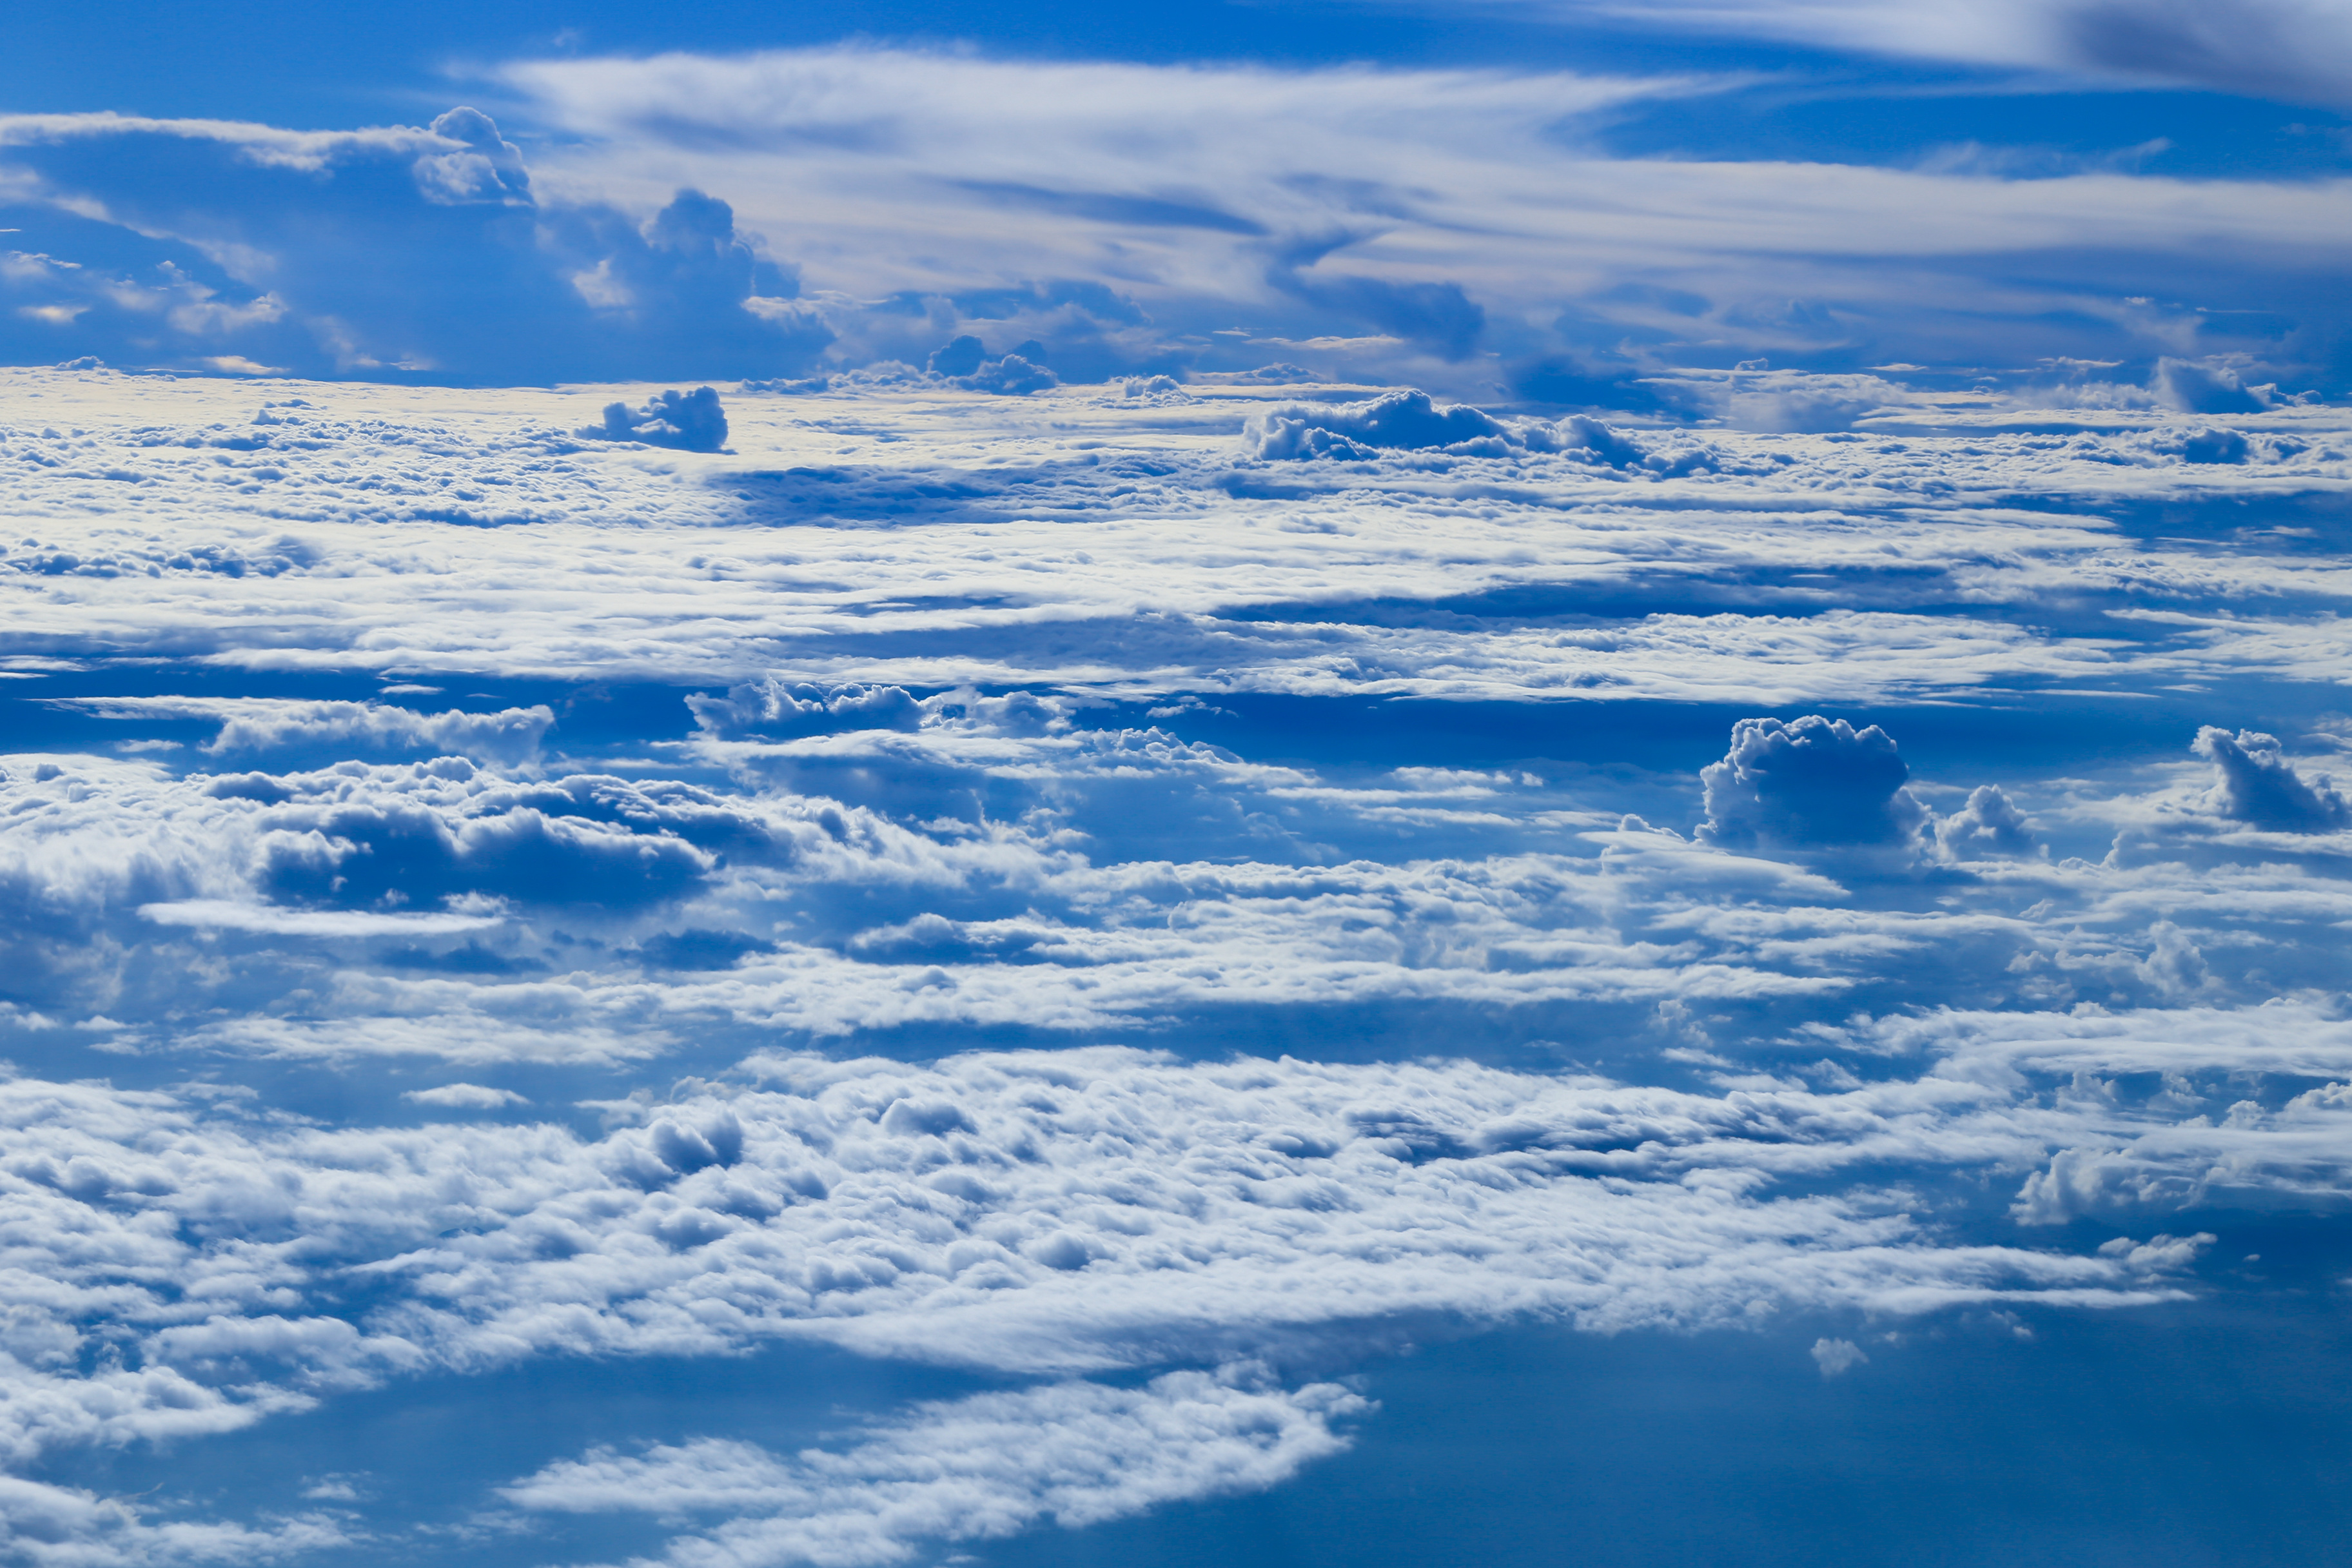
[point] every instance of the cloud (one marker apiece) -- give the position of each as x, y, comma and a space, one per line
262, 723
226, 914
1837, 1357
1989, 825
391, 253
1410, 421
1030, 1211
67, 1527
980, 1469
691, 421
774, 709
2254, 783
1814, 783
2296, 49
464, 1096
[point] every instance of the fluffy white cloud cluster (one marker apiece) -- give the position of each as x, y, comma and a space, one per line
1108, 879
1411, 421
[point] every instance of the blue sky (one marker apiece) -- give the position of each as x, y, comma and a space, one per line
1276, 784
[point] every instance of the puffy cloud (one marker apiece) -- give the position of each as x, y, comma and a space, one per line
1814, 783
2207, 388
1410, 421
246, 531
1837, 1357
390, 253
772, 706
1043, 1212
689, 421
1989, 825
464, 1096
1427, 225
975, 1470
67, 1527
1011, 376
2254, 783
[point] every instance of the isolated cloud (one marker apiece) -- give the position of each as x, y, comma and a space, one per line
1814, 783
1989, 825
464, 1096
773, 707
975, 1470
2254, 783
689, 421
1837, 1357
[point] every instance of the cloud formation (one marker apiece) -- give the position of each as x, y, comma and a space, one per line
982, 1468
1814, 783
689, 421
2254, 783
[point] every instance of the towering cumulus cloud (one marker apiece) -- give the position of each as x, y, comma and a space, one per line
2254, 783
1814, 783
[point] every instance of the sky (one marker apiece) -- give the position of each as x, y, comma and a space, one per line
1290, 784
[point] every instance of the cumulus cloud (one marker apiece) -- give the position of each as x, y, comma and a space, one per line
396, 252
1423, 226
1410, 421
2254, 783
1814, 783
689, 421
975, 1470
1989, 825
774, 707
1837, 1357
464, 1096
67, 1527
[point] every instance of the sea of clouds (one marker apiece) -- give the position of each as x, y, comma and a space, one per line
983, 879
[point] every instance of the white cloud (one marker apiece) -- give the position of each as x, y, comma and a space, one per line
65, 1527
1837, 1357
1052, 1212
234, 916
1417, 216
1814, 781
260, 723
975, 1470
464, 1096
